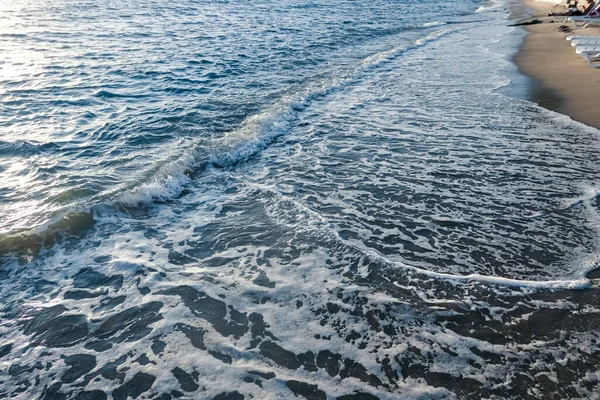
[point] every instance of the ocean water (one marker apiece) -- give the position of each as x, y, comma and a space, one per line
288, 199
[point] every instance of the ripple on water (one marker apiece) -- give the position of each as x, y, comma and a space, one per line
287, 199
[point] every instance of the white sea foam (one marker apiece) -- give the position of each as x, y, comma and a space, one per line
491, 5
434, 23
305, 242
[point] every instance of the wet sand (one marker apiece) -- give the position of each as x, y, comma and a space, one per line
563, 81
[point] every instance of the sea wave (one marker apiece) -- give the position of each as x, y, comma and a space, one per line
169, 177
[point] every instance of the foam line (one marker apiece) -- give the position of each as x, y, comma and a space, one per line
495, 280
322, 223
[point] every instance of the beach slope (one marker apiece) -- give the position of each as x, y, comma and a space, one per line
563, 80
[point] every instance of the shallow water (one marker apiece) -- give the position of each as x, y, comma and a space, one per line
270, 199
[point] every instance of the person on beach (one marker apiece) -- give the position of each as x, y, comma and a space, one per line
577, 10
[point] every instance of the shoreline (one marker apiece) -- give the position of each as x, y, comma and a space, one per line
561, 80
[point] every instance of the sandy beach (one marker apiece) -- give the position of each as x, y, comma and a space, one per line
564, 81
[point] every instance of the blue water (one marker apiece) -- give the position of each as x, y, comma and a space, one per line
272, 200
